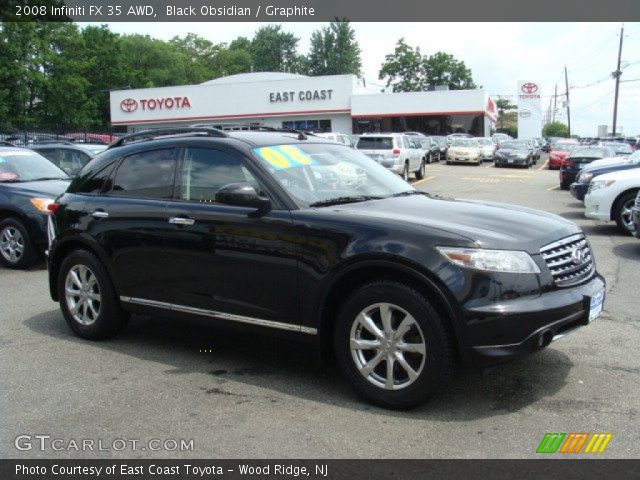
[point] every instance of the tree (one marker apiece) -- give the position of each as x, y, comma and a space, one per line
334, 50
555, 129
273, 50
409, 71
505, 112
443, 69
403, 69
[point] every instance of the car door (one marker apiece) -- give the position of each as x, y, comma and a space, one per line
129, 221
224, 259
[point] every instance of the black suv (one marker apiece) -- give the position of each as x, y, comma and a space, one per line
251, 227
29, 183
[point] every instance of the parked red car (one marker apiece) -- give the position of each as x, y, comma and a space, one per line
559, 151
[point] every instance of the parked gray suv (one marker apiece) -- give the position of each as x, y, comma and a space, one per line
396, 152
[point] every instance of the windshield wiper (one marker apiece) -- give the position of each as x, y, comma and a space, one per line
46, 178
406, 193
341, 200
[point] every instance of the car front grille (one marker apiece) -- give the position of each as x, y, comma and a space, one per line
569, 260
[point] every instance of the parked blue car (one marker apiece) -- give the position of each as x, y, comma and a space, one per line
581, 185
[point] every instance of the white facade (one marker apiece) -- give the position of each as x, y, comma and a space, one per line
274, 99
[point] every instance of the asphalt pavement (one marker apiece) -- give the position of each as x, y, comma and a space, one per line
260, 396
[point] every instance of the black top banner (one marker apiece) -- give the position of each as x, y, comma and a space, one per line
284, 469
318, 10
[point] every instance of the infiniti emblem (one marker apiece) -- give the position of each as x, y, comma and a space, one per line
577, 256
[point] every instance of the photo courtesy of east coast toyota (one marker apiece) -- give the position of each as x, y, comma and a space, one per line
259, 227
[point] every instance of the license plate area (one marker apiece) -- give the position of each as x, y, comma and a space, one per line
595, 305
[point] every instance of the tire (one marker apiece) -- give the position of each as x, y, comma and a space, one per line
99, 316
420, 172
622, 212
405, 172
17, 250
432, 366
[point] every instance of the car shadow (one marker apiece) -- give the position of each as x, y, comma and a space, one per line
576, 214
628, 251
602, 229
292, 368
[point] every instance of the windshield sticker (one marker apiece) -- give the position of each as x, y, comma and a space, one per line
8, 176
284, 156
2, 160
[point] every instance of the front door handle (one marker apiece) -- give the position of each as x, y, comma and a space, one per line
99, 214
182, 221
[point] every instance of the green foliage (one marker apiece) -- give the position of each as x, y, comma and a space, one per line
334, 50
407, 70
555, 129
58, 74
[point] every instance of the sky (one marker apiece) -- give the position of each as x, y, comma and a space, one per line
498, 54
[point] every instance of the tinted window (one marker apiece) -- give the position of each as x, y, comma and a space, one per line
375, 143
146, 175
205, 171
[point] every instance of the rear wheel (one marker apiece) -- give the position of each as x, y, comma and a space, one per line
405, 172
622, 212
17, 250
392, 345
421, 171
87, 298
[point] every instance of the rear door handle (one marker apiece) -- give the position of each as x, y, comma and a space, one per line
182, 221
99, 214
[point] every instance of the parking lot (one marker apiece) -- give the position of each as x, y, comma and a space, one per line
260, 396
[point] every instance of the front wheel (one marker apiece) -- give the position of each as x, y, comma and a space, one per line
622, 213
87, 298
391, 344
17, 250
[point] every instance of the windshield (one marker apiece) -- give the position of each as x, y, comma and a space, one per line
25, 166
485, 141
564, 147
590, 153
460, 142
620, 148
95, 149
515, 145
375, 143
313, 173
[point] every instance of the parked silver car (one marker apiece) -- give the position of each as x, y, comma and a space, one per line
488, 148
337, 137
396, 152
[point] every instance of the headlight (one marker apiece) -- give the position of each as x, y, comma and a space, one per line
585, 177
598, 184
491, 260
41, 203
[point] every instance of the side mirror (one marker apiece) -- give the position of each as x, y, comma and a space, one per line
243, 195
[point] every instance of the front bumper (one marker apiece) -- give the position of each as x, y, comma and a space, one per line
518, 327
596, 207
579, 190
512, 160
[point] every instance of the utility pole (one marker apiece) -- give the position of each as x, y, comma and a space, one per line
555, 98
566, 82
617, 75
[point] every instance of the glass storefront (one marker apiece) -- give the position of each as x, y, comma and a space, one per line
429, 124
309, 125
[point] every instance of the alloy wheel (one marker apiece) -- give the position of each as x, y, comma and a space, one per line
11, 244
625, 215
387, 346
82, 294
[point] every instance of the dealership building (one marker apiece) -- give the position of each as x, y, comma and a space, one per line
334, 103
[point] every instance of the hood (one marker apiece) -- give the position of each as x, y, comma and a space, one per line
514, 151
632, 174
487, 224
464, 149
46, 188
606, 162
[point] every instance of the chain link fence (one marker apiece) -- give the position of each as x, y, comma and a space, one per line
25, 135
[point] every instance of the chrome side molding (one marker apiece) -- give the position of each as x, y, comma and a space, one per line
220, 315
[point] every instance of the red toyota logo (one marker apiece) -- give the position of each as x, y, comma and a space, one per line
128, 105
529, 87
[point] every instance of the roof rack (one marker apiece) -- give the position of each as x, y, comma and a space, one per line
152, 134
49, 142
255, 127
